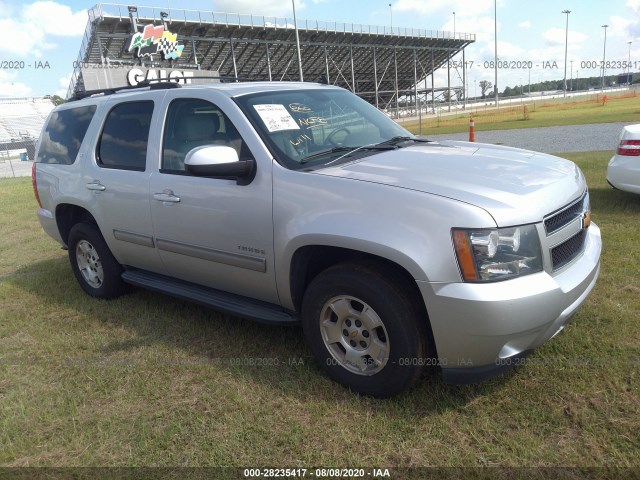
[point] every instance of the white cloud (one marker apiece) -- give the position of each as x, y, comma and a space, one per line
627, 27
508, 50
33, 28
525, 24
633, 5
9, 87
556, 36
483, 27
63, 83
55, 19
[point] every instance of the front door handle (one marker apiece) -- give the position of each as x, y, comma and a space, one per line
166, 196
96, 186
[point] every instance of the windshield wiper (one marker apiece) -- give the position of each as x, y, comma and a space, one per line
322, 153
373, 146
349, 150
400, 138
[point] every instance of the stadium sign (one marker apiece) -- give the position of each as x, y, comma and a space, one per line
137, 75
97, 76
155, 40
152, 40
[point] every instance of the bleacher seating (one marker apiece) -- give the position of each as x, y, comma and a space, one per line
22, 118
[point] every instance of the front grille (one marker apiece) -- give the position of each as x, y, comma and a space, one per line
564, 217
568, 250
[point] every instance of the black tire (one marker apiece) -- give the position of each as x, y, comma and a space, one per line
368, 294
95, 268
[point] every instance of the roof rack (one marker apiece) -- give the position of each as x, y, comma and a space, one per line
156, 84
110, 91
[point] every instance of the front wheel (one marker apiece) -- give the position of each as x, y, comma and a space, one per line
364, 329
95, 268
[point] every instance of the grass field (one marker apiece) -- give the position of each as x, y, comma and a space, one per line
145, 380
577, 111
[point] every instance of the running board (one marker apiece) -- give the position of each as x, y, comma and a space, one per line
238, 305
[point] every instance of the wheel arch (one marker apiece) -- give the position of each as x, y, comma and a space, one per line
310, 260
67, 215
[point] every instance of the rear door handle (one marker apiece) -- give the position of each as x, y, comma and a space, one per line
96, 185
166, 196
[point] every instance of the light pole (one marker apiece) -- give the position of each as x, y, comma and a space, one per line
566, 44
629, 65
391, 13
295, 24
163, 16
604, 53
571, 84
454, 24
495, 36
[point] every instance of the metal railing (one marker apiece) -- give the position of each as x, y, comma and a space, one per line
262, 21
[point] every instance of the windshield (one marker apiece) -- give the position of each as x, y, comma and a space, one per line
317, 127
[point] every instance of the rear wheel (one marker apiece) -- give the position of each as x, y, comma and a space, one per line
95, 268
365, 329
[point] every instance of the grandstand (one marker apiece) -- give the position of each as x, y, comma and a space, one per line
21, 120
379, 63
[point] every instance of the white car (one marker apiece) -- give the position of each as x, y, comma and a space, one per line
623, 172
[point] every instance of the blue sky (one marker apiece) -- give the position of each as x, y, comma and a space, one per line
48, 34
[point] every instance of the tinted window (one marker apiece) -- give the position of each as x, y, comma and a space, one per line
64, 134
192, 123
123, 143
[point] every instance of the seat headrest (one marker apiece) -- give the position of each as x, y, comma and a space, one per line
197, 127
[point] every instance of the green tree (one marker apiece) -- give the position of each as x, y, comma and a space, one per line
57, 100
484, 86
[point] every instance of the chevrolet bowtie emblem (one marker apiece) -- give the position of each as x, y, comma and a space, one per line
586, 219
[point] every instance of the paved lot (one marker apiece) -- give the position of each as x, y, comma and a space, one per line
573, 138
15, 168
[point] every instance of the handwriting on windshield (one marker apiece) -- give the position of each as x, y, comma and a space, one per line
299, 108
311, 122
300, 139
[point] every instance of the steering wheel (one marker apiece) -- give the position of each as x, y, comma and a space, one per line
330, 138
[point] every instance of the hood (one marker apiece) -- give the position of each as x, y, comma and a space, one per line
515, 186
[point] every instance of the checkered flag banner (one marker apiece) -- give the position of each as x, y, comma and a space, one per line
169, 46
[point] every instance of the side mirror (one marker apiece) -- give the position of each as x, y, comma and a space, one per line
219, 161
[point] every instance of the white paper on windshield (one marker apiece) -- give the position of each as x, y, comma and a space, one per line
276, 117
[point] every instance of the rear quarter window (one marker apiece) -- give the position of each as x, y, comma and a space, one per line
64, 134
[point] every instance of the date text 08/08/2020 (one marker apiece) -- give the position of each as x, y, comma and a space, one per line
543, 64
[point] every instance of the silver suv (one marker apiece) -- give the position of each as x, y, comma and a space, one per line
301, 203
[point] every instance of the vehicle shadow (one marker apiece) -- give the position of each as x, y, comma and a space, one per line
612, 201
274, 356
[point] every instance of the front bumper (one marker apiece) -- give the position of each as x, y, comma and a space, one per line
478, 327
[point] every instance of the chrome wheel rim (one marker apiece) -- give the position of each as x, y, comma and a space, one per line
355, 335
89, 264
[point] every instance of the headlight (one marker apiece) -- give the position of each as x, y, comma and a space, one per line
486, 255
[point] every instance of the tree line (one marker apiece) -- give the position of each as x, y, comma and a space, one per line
586, 83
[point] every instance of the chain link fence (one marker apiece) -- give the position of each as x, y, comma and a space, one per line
16, 157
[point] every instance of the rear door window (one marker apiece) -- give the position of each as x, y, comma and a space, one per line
124, 138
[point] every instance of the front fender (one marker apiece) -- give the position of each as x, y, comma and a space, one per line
409, 228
